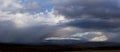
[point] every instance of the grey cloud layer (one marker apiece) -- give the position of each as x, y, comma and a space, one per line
93, 24
91, 15
18, 25
108, 11
86, 15
34, 34
93, 8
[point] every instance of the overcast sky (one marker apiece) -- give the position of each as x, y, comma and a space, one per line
32, 21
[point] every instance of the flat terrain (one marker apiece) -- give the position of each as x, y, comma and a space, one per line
56, 48
98, 51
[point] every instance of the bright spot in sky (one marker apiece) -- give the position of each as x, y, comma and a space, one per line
78, 35
91, 36
99, 38
59, 38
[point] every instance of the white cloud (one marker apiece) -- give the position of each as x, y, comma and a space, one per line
26, 19
17, 23
99, 38
11, 10
9, 4
91, 36
60, 38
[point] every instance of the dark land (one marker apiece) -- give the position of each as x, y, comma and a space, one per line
83, 47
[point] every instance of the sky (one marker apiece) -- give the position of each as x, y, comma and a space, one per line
33, 21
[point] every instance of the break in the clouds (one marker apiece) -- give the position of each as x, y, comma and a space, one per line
32, 21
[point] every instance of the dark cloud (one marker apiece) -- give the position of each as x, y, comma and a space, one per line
9, 33
85, 16
93, 24
91, 8
91, 15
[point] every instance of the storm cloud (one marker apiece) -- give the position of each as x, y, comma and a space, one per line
18, 24
93, 24
24, 31
91, 15
32, 21
90, 8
